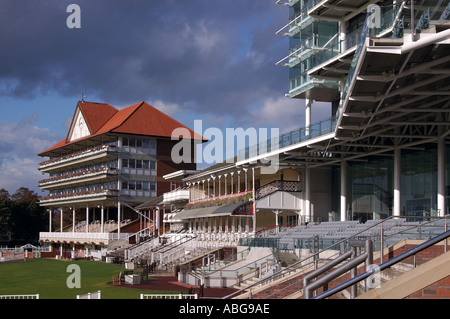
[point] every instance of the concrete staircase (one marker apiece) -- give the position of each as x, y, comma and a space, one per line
291, 286
430, 280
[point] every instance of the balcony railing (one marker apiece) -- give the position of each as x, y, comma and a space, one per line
180, 194
275, 186
293, 137
81, 237
220, 200
79, 195
77, 155
303, 82
78, 175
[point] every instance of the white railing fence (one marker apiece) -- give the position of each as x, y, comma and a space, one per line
91, 295
173, 296
36, 296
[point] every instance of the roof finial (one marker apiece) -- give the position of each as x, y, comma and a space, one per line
82, 96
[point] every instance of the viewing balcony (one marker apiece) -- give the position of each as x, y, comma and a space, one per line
78, 196
291, 138
177, 195
97, 152
78, 177
82, 238
275, 186
221, 200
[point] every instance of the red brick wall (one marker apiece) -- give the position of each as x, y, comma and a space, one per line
423, 256
438, 290
165, 165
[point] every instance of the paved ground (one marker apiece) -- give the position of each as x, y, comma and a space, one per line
167, 282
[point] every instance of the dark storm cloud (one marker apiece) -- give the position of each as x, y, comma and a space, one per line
203, 55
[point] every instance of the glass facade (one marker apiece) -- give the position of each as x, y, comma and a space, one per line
370, 185
311, 42
419, 183
370, 189
447, 178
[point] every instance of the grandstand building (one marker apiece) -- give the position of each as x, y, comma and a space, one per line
220, 202
111, 161
376, 172
385, 149
383, 67
368, 185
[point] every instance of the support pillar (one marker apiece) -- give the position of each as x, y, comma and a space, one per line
102, 219
87, 219
397, 182
73, 220
308, 193
157, 219
61, 221
343, 190
119, 215
307, 116
245, 178
49, 220
239, 181
254, 200
225, 181
277, 220
441, 205
343, 34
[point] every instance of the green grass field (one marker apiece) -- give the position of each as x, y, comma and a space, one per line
48, 277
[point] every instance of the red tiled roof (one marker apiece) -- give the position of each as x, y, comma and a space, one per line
138, 119
96, 114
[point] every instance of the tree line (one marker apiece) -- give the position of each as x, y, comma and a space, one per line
21, 217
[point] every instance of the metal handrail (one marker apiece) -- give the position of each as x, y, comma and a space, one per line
294, 267
367, 257
384, 265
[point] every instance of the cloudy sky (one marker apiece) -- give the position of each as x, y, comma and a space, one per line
209, 60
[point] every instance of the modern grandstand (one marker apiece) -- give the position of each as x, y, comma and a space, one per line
358, 206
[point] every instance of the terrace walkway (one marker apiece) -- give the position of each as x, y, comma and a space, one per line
167, 282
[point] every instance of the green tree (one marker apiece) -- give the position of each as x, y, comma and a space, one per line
5, 211
27, 217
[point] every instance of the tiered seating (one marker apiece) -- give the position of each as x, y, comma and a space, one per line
96, 226
332, 232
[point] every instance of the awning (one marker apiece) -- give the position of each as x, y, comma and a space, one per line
214, 211
151, 203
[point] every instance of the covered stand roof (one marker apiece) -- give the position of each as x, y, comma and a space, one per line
213, 211
397, 97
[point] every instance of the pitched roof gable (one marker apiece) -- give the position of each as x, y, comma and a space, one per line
96, 114
147, 120
137, 119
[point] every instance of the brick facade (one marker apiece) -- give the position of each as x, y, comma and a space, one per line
165, 165
438, 290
